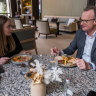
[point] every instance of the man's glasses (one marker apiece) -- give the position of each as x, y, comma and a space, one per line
86, 21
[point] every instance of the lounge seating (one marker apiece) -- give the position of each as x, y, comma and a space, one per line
69, 25
12, 23
63, 22
18, 24
43, 28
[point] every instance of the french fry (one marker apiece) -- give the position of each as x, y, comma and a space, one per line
65, 61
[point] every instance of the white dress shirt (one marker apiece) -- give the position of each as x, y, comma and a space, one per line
88, 47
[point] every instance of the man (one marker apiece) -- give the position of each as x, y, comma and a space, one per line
84, 41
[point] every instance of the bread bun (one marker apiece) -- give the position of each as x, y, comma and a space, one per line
73, 61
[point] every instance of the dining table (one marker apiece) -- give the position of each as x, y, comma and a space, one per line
14, 83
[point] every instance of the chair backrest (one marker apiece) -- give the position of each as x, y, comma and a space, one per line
18, 24
26, 37
44, 19
12, 23
43, 27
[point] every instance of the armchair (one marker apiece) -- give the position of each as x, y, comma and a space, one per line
12, 23
43, 28
69, 26
19, 24
27, 38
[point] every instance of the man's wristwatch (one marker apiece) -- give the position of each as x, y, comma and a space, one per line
91, 66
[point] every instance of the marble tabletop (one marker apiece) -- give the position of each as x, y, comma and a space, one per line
15, 84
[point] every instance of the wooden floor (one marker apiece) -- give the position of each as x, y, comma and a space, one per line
61, 41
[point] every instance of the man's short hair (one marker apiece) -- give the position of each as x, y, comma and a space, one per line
91, 8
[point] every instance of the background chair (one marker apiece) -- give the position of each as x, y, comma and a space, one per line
70, 25
43, 28
27, 38
12, 23
18, 24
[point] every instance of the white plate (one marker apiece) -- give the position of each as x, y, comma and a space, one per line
25, 62
69, 65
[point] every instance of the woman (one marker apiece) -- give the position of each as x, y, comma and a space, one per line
9, 43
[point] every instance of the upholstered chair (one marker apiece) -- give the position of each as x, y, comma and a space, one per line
43, 28
27, 38
18, 24
12, 23
69, 26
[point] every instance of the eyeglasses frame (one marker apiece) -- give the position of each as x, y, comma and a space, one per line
86, 21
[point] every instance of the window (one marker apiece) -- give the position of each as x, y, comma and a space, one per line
4, 7
40, 6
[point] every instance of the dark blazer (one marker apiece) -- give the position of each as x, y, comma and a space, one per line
78, 44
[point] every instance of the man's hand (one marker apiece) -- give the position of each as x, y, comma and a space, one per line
82, 64
54, 51
3, 60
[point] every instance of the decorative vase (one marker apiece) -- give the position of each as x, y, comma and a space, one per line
38, 89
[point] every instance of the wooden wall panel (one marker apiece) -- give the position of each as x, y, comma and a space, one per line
13, 7
35, 8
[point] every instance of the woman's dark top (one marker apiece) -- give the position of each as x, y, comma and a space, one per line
17, 49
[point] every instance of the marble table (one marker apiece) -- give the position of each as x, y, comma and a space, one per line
15, 84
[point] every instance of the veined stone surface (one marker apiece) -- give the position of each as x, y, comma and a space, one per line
15, 84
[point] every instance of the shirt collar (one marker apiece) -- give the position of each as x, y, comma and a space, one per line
93, 35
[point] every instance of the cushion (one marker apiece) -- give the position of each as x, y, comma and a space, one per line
70, 21
63, 20
53, 30
54, 19
44, 19
49, 19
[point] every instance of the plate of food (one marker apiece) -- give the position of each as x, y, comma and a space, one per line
68, 61
21, 59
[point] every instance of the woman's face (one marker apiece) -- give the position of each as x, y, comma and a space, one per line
7, 29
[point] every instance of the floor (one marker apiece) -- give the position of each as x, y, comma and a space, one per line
61, 41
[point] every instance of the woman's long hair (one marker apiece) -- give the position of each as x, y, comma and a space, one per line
10, 41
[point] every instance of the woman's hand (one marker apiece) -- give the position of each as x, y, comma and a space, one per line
54, 51
82, 64
26, 52
3, 60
